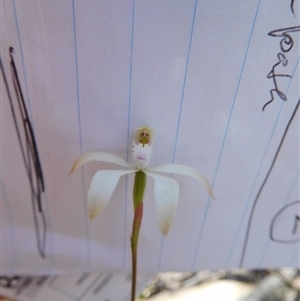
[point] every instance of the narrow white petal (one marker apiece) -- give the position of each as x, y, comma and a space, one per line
166, 193
187, 171
98, 156
102, 187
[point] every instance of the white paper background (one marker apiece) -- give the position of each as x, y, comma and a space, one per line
195, 71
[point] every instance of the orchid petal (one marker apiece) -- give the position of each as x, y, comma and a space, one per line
102, 187
187, 171
166, 193
98, 156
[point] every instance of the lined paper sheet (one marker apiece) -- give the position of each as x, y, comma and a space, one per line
201, 73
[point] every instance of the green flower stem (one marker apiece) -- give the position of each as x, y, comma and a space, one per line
138, 195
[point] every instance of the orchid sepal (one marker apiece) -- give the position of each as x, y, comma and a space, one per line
101, 189
166, 194
99, 156
187, 171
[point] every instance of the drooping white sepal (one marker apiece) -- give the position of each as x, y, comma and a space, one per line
187, 171
99, 156
166, 194
102, 187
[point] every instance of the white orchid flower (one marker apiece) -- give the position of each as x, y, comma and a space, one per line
166, 189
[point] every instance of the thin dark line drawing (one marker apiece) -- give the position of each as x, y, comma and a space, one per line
29, 151
292, 7
296, 224
272, 74
295, 227
286, 44
244, 249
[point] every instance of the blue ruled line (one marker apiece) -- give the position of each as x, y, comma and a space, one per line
193, 266
87, 235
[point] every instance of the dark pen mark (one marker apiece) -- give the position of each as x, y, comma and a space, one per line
296, 224
286, 44
272, 74
263, 185
292, 7
287, 238
29, 151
